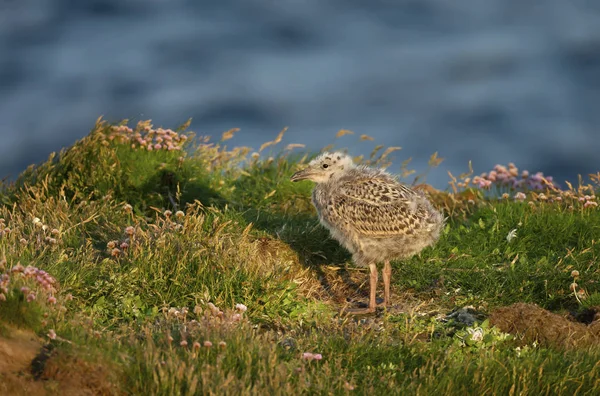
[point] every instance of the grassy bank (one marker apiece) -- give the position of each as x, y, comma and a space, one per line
144, 261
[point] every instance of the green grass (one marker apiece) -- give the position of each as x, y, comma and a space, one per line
247, 235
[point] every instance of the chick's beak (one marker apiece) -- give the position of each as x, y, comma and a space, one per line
301, 175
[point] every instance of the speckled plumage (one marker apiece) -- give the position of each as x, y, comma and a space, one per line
369, 212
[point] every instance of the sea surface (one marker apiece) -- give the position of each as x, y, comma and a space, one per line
489, 81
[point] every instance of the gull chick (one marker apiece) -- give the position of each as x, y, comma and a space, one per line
370, 213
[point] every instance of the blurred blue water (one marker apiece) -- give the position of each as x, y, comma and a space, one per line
489, 81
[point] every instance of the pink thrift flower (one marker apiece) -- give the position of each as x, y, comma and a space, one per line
587, 204
196, 345
52, 334
30, 297
236, 317
18, 268
311, 356
500, 168
483, 183
241, 307
207, 344
52, 299
24, 290
520, 196
183, 343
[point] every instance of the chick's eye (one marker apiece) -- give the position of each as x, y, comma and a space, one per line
325, 166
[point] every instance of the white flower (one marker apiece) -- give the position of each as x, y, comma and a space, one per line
476, 334
511, 235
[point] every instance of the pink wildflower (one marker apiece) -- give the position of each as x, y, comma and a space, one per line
520, 196
18, 268
52, 299
483, 183
208, 344
311, 356
241, 307
52, 334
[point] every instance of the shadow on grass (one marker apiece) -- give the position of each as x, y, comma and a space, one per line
301, 231
164, 184
313, 245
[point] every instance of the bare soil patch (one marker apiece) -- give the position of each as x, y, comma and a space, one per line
28, 367
549, 329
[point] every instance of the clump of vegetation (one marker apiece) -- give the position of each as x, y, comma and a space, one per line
144, 261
